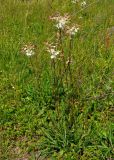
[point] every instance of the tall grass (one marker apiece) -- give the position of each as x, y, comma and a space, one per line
59, 108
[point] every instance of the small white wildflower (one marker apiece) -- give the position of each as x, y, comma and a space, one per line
28, 50
83, 4
75, 1
61, 24
61, 21
69, 61
73, 30
52, 50
54, 53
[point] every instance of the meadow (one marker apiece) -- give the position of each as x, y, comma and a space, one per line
57, 80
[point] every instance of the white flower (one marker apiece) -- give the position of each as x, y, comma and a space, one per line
52, 50
61, 24
61, 21
73, 30
53, 53
75, 1
28, 50
83, 4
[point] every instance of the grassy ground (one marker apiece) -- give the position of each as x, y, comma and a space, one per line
49, 110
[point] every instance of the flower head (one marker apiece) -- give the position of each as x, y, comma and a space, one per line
52, 50
73, 30
75, 1
61, 20
28, 49
83, 4
54, 53
61, 23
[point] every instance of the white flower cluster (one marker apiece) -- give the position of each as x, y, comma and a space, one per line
73, 30
52, 50
83, 4
75, 1
28, 50
61, 21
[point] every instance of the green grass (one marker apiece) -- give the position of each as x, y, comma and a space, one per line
69, 119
